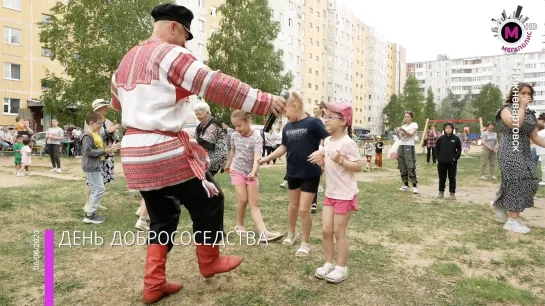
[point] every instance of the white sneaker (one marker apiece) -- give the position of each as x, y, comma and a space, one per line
514, 225
404, 188
19, 174
59, 170
415, 190
501, 213
494, 178
53, 170
338, 275
483, 178
102, 207
141, 225
324, 270
284, 185
542, 183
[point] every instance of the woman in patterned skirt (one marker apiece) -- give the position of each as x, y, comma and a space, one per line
519, 181
210, 135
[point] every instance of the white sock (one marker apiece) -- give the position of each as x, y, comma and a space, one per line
343, 269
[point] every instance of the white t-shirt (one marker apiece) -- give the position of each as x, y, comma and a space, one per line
407, 140
540, 150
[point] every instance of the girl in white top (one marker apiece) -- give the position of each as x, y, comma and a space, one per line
406, 159
341, 162
243, 165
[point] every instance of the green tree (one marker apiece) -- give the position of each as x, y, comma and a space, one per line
413, 100
487, 102
89, 38
243, 47
430, 108
393, 111
468, 112
445, 109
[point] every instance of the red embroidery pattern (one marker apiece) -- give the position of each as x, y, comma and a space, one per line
115, 100
141, 64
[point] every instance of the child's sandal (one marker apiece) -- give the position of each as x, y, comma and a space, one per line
303, 250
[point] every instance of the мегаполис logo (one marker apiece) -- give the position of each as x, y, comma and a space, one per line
514, 31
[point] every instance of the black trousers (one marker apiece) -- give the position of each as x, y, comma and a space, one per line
164, 211
54, 151
267, 151
450, 170
432, 152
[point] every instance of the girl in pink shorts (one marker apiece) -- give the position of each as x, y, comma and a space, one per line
243, 166
341, 160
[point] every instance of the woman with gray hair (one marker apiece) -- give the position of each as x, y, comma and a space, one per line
209, 134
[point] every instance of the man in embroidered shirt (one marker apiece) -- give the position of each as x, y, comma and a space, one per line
150, 88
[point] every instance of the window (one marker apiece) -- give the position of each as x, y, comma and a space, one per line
281, 19
12, 36
46, 52
44, 84
201, 48
310, 40
212, 32
200, 3
315, 87
318, 14
289, 22
309, 85
11, 106
213, 11
290, 39
13, 4
317, 29
291, 5
201, 25
310, 55
290, 57
309, 70
12, 71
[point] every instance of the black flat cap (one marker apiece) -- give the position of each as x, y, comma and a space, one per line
173, 12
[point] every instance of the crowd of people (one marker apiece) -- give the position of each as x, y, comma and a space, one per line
169, 169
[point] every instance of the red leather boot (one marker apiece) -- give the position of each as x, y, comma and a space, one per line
155, 283
211, 263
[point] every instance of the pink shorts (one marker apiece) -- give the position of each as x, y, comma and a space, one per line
342, 206
241, 179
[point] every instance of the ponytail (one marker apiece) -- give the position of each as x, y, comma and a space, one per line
349, 131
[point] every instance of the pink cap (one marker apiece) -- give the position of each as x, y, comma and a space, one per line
343, 108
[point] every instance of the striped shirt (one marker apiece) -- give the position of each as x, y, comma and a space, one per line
151, 89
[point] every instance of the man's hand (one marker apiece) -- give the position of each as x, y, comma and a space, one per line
278, 106
263, 160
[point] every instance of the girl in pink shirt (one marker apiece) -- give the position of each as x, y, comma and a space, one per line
341, 162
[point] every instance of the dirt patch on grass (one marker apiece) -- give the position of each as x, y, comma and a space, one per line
9, 180
484, 194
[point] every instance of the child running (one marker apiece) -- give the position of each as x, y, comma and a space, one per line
301, 139
17, 154
26, 157
243, 165
342, 160
368, 148
378, 152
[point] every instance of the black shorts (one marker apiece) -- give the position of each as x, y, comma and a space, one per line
309, 184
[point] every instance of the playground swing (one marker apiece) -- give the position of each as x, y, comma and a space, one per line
428, 121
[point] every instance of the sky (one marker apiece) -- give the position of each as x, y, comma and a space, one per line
460, 28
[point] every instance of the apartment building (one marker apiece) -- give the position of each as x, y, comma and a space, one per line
314, 65
470, 74
24, 60
359, 73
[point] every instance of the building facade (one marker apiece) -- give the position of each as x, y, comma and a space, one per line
24, 60
470, 74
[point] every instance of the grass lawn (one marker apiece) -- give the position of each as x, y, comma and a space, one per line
404, 249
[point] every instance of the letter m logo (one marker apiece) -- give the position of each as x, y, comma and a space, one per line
511, 32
